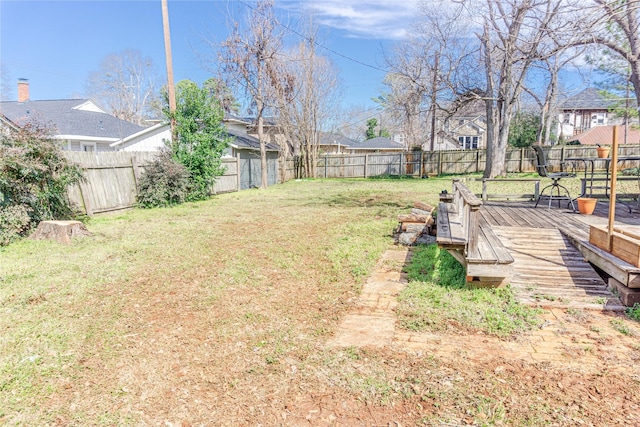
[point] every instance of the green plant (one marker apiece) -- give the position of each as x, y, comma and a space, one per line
34, 177
14, 220
200, 136
165, 182
620, 326
437, 295
633, 312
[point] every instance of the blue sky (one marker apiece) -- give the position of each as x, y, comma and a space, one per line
56, 44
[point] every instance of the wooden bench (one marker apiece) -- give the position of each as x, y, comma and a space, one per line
476, 247
486, 195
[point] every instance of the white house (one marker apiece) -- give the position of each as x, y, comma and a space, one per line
82, 125
583, 111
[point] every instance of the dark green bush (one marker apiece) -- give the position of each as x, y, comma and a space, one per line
14, 220
34, 177
165, 182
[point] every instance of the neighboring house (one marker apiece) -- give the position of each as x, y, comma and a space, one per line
463, 130
583, 111
334, 143
603, 135
246, 149
81, 125
375, 145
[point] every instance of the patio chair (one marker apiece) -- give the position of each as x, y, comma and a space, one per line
555, 185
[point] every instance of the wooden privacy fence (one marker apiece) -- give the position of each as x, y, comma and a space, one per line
454, 162
111, 179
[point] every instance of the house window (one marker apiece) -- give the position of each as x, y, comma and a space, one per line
88, 147
468, 142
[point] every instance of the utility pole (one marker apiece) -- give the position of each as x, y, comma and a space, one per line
170, 86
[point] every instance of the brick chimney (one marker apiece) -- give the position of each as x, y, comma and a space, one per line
23, 90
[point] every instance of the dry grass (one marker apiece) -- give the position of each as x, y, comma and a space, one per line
217, 313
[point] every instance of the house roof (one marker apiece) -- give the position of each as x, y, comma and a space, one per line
589, 99
603, 135
380, 143
70, 117
336, 139
472, 109
242, 140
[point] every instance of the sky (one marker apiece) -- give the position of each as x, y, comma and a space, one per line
57, 44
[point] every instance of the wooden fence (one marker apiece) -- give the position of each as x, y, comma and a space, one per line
112, 177
455, 162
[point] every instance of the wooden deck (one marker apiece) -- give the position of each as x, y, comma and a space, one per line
551, 253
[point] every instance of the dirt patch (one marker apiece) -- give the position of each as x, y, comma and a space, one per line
181, 363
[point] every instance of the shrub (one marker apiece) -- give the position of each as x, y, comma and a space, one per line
165, 182
14, 220
634, 312
34, 177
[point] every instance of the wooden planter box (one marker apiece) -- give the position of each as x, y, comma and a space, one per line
625, 244
626, 248
599, 236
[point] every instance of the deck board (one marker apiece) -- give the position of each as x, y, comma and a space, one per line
549, 271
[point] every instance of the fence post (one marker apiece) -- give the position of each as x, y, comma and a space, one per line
238, 172
84, 193
136, 172
421, 163
477, 161
439, 162
521, 159
325, 165
366, 165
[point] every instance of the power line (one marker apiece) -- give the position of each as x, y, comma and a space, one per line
316, 43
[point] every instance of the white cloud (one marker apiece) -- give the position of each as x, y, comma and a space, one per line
371, 19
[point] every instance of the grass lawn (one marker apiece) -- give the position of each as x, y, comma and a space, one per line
217, 313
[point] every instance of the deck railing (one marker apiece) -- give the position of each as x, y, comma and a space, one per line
467, 205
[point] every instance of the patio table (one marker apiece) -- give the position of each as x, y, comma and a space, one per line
588, 183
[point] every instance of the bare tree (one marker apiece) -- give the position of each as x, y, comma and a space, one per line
306, 87
514, 35
247, 57
125, 84
617, 28
429, 70
219, 90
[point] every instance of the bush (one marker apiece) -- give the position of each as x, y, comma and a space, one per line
634, 312
34, 177
14, 220
165, 182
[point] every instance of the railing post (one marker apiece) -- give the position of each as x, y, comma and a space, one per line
473, 228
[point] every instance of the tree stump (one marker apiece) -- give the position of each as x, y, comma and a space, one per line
61, 231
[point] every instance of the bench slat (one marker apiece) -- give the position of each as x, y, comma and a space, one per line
449, 227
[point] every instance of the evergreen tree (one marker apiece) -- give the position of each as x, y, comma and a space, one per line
201, 136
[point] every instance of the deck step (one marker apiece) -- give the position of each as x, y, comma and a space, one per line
550, 272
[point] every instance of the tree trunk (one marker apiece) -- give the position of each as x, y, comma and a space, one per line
61, 231
263, 152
